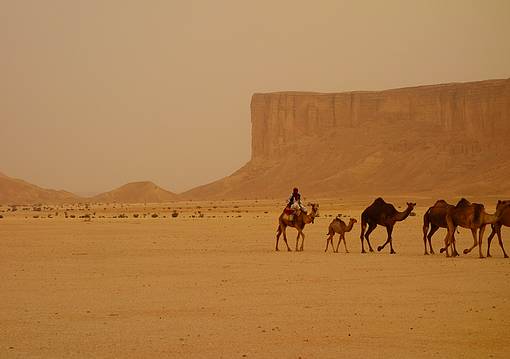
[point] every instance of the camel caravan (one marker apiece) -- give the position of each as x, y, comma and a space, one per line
380, 213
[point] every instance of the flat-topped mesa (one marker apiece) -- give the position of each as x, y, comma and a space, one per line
444, 139
479, 110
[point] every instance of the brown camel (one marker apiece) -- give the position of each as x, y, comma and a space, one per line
384, 214
338, 226
298, 221
496, 227
472, 216
436, 218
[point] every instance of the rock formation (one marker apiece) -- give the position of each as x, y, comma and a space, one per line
16, 191
136, 192
450, 138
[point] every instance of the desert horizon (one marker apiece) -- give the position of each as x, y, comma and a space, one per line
483, 120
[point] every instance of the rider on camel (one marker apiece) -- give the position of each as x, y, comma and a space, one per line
294, 202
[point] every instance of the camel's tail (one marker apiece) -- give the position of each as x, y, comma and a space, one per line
330, 231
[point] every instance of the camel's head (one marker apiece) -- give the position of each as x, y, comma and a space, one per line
502, 206
410, 205
353, 220
315, 210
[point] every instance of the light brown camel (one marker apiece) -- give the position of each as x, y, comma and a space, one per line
436, 218
496, 227
383, 214
472, 216
298, 221
338, 226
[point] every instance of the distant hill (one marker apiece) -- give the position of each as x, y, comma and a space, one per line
448, 139
16, 191
136, 192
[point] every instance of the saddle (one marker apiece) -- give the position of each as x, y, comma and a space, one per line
288, 211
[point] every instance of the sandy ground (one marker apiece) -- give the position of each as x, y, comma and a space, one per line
213, 286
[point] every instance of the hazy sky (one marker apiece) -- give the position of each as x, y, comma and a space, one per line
97, 93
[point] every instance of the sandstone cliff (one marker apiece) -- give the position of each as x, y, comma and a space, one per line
450, 138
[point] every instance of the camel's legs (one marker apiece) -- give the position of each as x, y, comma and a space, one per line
433, 229
480, 237
454, 247
489, 240
297, 239
285, 238
330, 238
445, 248
345, 244
278, 234
425, 230
371, 227
389, 229
362, 235
449, 236
341, 238
498, 231
475, 241
303, 241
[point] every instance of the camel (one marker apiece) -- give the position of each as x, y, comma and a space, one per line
472, 216
298, 221
436, 218
338, 226
496, 227
384, 214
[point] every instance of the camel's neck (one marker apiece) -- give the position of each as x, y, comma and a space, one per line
308, 218
491, 218
403, 215
349, 226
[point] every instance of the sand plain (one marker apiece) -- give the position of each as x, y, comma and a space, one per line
208, 283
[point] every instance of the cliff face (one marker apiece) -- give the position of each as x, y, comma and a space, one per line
450, 139
479, 110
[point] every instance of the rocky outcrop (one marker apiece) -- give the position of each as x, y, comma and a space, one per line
450, 138
136, 192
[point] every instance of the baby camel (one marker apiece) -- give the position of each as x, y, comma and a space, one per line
338, 226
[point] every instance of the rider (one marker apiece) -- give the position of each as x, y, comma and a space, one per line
295, 201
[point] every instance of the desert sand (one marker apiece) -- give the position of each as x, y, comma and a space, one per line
208, 283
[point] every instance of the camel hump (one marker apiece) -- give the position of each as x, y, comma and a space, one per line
336, 221
463, 203
379, 200
441, 203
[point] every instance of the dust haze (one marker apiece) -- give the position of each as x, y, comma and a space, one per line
149, 148
94, 95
